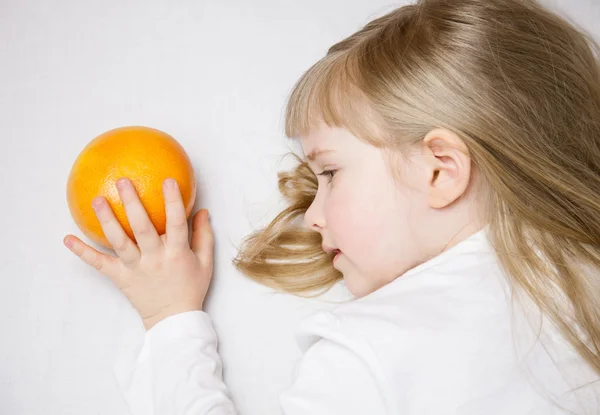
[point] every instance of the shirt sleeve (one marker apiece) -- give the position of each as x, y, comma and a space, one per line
178, 372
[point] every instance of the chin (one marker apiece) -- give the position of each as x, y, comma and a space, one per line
358, 289
362, 288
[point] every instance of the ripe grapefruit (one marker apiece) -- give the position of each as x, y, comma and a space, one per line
145, 155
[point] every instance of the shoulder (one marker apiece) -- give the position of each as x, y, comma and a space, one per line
455, 340
428, 311
417, 338
338, 373
409, 325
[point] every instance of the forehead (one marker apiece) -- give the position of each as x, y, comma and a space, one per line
321, 139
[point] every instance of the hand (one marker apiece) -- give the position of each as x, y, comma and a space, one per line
161, 275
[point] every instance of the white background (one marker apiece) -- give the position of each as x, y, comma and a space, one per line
213, 74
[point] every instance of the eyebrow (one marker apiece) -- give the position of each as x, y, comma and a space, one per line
316, 153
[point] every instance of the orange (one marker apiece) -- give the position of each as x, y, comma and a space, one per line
146, 156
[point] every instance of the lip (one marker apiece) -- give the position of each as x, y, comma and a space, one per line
328, 249
337, 256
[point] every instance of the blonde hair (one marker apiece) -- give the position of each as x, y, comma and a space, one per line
521, 86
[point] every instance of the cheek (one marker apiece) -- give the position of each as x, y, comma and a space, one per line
372, 225
362, 220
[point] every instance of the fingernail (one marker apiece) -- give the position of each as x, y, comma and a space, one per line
170, 184
122, 183
68, 243
97, 202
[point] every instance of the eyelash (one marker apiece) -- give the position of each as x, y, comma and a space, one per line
327, 173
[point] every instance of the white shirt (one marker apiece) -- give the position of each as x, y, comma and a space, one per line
442, 339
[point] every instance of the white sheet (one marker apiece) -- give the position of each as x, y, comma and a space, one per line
214, 74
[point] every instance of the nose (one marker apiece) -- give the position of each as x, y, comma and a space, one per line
314, 217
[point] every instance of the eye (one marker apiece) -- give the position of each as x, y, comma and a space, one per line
328, 173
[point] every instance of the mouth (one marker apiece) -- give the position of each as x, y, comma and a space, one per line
329, 249
336, 253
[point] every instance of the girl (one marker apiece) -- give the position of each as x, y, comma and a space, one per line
452, 179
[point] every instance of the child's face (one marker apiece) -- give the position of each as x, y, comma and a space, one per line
363, 211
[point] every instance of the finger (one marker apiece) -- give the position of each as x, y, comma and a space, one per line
106, 264
123, 246
143, 229
177, 226
202, 237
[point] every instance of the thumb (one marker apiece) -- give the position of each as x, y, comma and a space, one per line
202, 237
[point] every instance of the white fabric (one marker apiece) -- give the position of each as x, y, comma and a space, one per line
442, 339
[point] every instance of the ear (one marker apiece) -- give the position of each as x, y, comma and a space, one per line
448, 167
